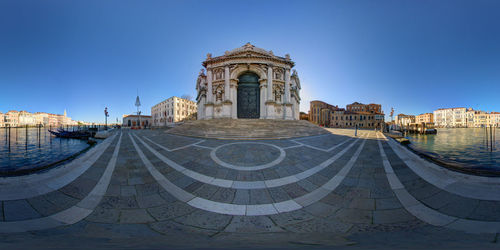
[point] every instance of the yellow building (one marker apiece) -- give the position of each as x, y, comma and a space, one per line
425, 118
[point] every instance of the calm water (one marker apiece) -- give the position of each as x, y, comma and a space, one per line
465, 146
34, 150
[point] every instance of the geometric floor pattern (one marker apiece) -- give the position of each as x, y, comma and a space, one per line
336, 188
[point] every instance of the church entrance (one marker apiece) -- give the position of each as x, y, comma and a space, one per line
248, 96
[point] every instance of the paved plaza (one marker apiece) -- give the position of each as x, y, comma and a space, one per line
150, 189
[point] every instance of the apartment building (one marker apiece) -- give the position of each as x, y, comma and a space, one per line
425, 118
172, 110
320, 112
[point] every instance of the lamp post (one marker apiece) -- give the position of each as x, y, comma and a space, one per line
106, 118
138, 104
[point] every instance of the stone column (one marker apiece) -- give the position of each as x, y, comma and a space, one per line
227, 91
209, 111
287, 86
234, 97
210, 96
270, 83
263, 99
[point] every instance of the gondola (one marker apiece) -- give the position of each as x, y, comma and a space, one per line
71, 134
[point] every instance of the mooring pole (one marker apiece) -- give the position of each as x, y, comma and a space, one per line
26, 143
491, 138
9, 138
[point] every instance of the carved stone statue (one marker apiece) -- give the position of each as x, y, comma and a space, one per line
218, 92
278, 92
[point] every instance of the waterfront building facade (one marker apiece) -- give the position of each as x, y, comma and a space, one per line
133, 121
23, 118
426, 118
404, 120
495, 119
2, 120
248, 82
172, 110
12, 118
451, 117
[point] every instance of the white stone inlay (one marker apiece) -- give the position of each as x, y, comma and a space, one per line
73, 214
427, 214
236, 209
248, 184
281, 157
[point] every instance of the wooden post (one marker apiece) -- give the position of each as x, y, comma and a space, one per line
491, 138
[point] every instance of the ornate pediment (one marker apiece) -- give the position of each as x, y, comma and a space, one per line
248, 51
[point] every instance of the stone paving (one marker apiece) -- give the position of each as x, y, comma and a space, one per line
150, 189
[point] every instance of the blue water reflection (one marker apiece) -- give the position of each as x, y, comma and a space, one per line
466, 146
33, 148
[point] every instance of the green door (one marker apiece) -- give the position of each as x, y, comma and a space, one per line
248, 96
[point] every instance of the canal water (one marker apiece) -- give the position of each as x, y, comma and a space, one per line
29, 149
465, 147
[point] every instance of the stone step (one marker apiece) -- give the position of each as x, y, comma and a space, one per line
247, 128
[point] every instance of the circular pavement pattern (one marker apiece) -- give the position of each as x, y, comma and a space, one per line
247, 156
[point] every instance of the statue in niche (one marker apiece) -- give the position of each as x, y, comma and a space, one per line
218, 92
278, 92
218, 73
278, 74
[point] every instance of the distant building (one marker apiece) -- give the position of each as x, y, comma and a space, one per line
171, 110
425, 118
355, 114
451, 117
360, 107
133, 121
303, 116
320, 112
2, 120
495, 119
12, 118
362, 119
404, 120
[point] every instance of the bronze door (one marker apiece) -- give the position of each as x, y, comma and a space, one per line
248, 96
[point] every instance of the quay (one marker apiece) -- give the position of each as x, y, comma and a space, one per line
150, 189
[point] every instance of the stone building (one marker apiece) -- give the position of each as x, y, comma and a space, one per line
362, 119
360, 107
425, 118
248, 82
133, 121
12, 118
320, 112
404, 120
451, 117
172, 110
2, 120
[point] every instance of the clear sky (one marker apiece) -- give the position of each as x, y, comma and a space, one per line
415, 56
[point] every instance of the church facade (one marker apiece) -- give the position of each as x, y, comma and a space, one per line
249, 83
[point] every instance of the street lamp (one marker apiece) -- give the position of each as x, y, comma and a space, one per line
106, 118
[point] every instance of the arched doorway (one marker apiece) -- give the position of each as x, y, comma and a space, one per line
248, 96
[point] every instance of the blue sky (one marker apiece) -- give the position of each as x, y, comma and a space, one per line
415, 56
